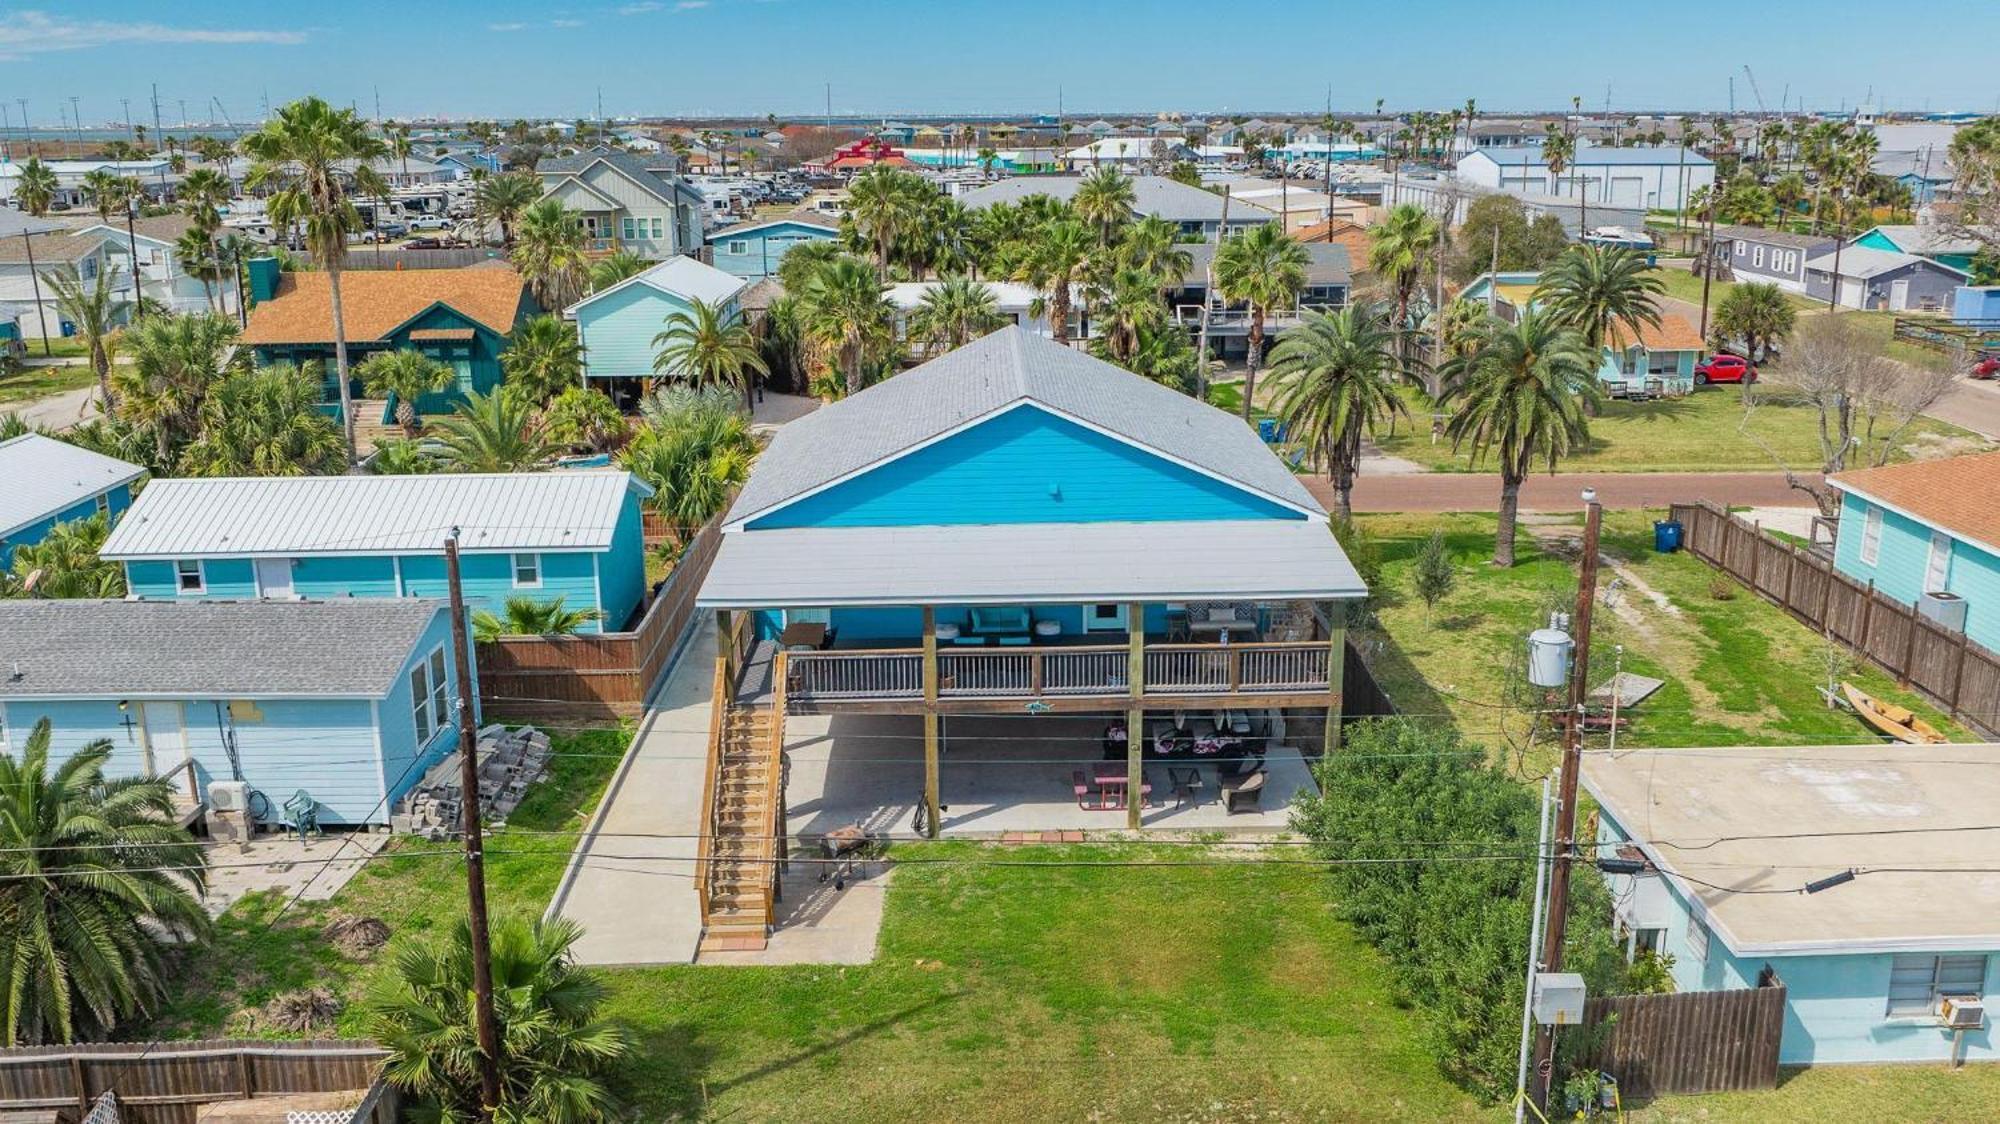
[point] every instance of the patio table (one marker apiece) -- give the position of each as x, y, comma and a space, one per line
808, 635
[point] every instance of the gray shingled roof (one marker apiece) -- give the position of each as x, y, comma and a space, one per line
1011, 365
1775, 237
1157, 196
208, 649
656, 181
1326, 263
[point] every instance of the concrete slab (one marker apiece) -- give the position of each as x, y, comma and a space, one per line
818, 924
319, 866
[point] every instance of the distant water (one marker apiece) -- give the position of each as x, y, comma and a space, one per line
111, 133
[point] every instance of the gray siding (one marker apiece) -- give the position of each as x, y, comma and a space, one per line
1930, 287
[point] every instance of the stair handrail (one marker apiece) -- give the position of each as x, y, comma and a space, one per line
774, 785
718, 711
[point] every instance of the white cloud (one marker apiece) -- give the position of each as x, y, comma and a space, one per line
688, 5
36, 32
641, 8
506, 27
565, 23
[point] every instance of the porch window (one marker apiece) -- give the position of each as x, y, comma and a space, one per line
527, 571
1917, 983
188, 576
1104, 617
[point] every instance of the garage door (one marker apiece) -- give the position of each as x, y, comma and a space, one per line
1628, 191
1527, 184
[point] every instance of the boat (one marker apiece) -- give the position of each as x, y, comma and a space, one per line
1896, 721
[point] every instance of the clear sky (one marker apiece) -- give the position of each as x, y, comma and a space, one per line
899, 57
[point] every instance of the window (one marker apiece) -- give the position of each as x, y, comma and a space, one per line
104, 504
1648, 940
629, 229
1916, 983
429, 696
659, 228
1697, 941
188, 576
527, 570
1938, 571
1757, 257
739, 246
1871, 536
1742, 248
1104, 617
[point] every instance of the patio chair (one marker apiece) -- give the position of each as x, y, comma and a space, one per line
302, 814
1002, 624
1243, 791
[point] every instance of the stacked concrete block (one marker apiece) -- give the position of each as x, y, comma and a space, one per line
510, 762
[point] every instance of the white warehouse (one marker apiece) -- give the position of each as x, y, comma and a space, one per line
1614, 177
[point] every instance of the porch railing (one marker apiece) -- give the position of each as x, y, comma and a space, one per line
1077, 671
882, 674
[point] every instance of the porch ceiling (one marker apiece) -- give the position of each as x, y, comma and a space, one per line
1274, 559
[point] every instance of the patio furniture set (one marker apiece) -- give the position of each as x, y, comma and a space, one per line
1107, 786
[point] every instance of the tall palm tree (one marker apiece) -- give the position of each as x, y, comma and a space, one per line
1759, 312
1336, 379
406, 376
1591, 288
1128, 309
1397, 248
302, 152
526, 616
1558, 153
501, 199
95, 311
709, 345
543, 358
1057, 259
954, 314
96, 881
265, 421
175, 359
104, 190
1266, 269
549, 252
195, 252
492, 433
1522, 395
1104, 200
615, 267
884, 204
847, 317
35, 192
693, 448
1153, 245
556, 1048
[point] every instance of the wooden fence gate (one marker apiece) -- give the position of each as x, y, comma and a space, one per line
1692, 1042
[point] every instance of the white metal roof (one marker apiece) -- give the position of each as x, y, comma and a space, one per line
1867, 261
1016, 563
909, 295
40, 476
682, 277
294, 516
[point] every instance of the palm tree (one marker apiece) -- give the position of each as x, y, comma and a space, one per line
847, 317
94, 312
65, 564
1759, 312
406, 376
303, 151
1128, 309
174, 361
954, 314
709, 345
556, 1049
492, 433
1153, 245
1522, 394
195, 253
1266, 269
543, 357
265, 421
104, 190
1336, 379
694, 448
796, 268
615, 267
1396, 250
400, 456
34, 192
500, 199
202, 192
884, 203
1056, 260
1591, 288
528, 617
1558, 152
549, 252
95, 882
1104, 200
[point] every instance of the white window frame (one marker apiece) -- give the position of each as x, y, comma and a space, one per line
1939, 982
1742, 249
200, 577
514, 570
429, 695
739, 246
104, 504
1871, 535
1757, 257
628, 230
1697, 940
1938, 564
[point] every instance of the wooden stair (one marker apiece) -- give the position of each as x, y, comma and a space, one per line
369, 429
741, 850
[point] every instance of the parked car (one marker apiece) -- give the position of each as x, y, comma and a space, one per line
1724, 368
424, 243
429, 222
1986, 368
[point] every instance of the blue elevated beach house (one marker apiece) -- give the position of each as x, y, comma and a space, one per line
1926, 534
754, 252
44, 482
1658, 360
347, 700
617, 325
573, 534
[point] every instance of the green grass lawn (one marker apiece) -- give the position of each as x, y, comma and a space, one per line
1738, 671
1683, 285
1703, 432
30, 383
1913, 1093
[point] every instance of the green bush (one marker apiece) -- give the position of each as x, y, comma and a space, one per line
1455, 925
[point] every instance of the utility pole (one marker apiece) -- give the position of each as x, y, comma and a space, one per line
76, 120
1708, 254
1572, 761
487, 1024
127, 103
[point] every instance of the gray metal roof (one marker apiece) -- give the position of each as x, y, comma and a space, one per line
1156, 196
1593, 155
995, 371
1867, 261
293, 516
1932, 239
657, 180
1012, 563
40, 476
681, 276
1326, 263
208, 649
1775, 237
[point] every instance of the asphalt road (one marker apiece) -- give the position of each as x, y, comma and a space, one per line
1453, 491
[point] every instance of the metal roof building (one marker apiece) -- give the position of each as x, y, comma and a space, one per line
1155, 196
40, 476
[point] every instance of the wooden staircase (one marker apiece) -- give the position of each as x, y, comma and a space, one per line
741, 852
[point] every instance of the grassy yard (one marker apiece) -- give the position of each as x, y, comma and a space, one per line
1738, 671
1683, 285
1839, 1092
1703, 432
30, 383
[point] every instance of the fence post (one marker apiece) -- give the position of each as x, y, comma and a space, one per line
1826, 599
1867, 618
76, 1075
1909, 648
1958, 671
1791, 565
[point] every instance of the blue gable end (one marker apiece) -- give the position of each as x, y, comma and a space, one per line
1024, 466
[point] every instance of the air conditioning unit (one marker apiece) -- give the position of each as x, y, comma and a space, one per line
1962, 1012
1558, 998
1947, 609
229, 796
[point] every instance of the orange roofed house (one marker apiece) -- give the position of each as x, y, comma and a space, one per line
1658, 360
460, 317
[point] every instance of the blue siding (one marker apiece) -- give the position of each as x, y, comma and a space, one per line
1024, 466
762, 250
118, 498
1903, 560
618, 330
489, 581
621, 573
320, 578
404, 759
903, 625
231, 579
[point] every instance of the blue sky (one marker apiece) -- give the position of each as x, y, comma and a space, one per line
510, 57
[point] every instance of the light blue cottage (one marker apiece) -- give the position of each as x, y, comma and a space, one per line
1848, 874
1659, 359
1924, 528
755, 252
44, 482
350, 701
617, 325
574, 534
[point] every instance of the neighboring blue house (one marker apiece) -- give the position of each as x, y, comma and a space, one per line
1976, 305
44, 482
572, 533
1659, 359
349, 700
1736, 844
754, 252
617, 325
1912, 530
1939, 245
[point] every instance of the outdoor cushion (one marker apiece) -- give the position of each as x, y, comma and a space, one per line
998, 619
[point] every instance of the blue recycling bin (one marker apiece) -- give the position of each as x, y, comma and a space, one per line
1667, 535
1267, 430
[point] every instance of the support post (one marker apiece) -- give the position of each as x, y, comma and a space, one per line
1135, 717
1336, 677
486, 1024
1909, 645
725, 636
931, 817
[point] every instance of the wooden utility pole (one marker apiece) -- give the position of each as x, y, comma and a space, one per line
1572, 762
487, 1025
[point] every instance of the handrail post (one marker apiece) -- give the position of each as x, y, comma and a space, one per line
1135, 716
930, 674
774, 786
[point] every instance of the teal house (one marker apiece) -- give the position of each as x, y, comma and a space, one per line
1847, 875
1935, 243
754, 252
617, 325
573, 534
460, 317
347, 700
44, 482
1925, 534
1657, 359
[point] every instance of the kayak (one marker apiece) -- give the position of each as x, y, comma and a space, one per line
1896, 721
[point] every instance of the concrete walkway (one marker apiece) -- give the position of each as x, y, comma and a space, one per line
57, 411
631, 880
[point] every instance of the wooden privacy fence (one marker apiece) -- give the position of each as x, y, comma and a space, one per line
1961, 677
1691, 1042
601, 674
167, 1082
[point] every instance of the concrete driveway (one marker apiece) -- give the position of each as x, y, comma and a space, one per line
57, 411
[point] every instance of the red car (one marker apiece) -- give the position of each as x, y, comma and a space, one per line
1987, 368
1724, 368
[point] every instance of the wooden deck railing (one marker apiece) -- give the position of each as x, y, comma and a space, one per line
891, 674
774, 789
718, 708
1078, 671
